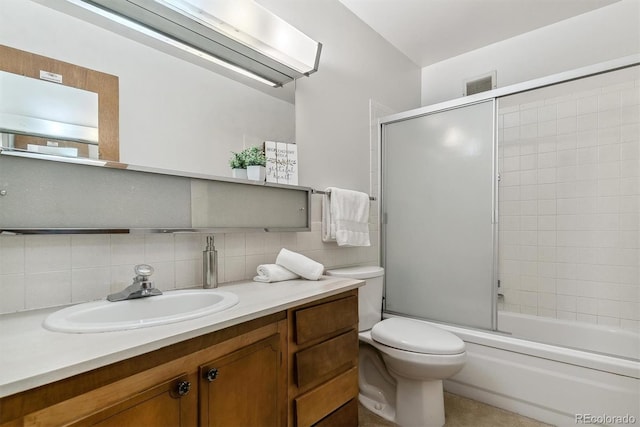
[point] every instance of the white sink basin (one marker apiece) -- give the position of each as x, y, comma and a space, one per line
170, 307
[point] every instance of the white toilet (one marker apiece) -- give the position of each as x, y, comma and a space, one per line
402, 361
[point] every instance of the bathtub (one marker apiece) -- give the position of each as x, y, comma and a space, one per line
582, 336
557, 385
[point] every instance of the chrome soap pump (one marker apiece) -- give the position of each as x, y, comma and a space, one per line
210, 265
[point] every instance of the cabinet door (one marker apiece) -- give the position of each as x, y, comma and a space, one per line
243, 388
171, 403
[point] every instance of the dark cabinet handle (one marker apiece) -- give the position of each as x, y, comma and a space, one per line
212, 374
184, 387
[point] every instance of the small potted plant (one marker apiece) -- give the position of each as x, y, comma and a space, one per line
238, 165
256, 161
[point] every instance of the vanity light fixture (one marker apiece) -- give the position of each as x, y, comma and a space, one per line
239, 35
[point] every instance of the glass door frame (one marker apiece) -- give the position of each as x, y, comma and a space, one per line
495, 94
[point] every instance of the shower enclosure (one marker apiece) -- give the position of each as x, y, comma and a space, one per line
439, 215
519, 204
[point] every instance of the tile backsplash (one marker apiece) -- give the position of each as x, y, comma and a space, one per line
38, 271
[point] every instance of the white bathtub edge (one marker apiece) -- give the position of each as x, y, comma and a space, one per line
548, 383
542, 389
600, 362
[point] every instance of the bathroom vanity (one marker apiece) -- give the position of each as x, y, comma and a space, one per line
323, 361
285, 355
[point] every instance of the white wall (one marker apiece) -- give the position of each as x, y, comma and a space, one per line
603, 34
332, 106
173, 114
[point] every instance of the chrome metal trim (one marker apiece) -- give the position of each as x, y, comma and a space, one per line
217, 230
20, 231
566, 76
17, 152
382, 217
329, 192
494, 219
316, 65
44, 128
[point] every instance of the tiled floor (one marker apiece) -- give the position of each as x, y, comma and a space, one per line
462, 412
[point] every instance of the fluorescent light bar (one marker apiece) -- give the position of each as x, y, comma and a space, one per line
249, 23
170, 41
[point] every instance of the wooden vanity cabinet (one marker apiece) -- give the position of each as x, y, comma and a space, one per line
293, 368
244, 388
171, 402
169, 386
323, 362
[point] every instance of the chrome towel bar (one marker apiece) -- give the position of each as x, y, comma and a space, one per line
313, 191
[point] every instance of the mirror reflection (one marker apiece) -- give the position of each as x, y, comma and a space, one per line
49, 110
54, 107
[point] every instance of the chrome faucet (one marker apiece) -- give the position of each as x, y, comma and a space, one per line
140, 288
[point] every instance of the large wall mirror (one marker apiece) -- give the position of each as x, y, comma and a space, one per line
170, 113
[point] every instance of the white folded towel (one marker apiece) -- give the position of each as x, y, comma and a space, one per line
300, 264
345, 217
269, 273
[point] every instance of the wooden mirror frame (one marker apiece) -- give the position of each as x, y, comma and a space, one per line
105, 85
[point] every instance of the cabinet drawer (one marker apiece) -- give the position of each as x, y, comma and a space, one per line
345, 416
315, 363
324, 319
313, 406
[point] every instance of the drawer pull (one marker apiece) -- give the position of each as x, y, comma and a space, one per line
184, 387
211, 374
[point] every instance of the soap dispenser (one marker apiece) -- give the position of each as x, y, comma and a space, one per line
210, 265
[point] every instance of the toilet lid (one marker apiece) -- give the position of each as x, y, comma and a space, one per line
416, 336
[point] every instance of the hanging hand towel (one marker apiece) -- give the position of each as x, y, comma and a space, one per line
346, 217
269, 273
300, 264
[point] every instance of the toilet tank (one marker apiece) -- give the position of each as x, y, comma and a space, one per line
369, 295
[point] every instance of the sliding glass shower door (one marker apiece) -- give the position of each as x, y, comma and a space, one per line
438, 199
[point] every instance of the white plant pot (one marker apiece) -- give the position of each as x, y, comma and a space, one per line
256, 173
239, 173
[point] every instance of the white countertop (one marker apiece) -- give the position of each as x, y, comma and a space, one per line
31, 356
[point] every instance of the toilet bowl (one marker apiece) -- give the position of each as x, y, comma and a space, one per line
402, 361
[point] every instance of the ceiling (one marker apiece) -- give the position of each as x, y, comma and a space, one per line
429, 31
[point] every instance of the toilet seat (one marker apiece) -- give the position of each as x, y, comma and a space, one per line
415, 336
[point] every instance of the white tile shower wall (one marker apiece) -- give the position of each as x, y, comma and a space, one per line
569, 202
40, 271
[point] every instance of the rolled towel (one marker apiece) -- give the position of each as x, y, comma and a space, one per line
300, 264
268, 273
